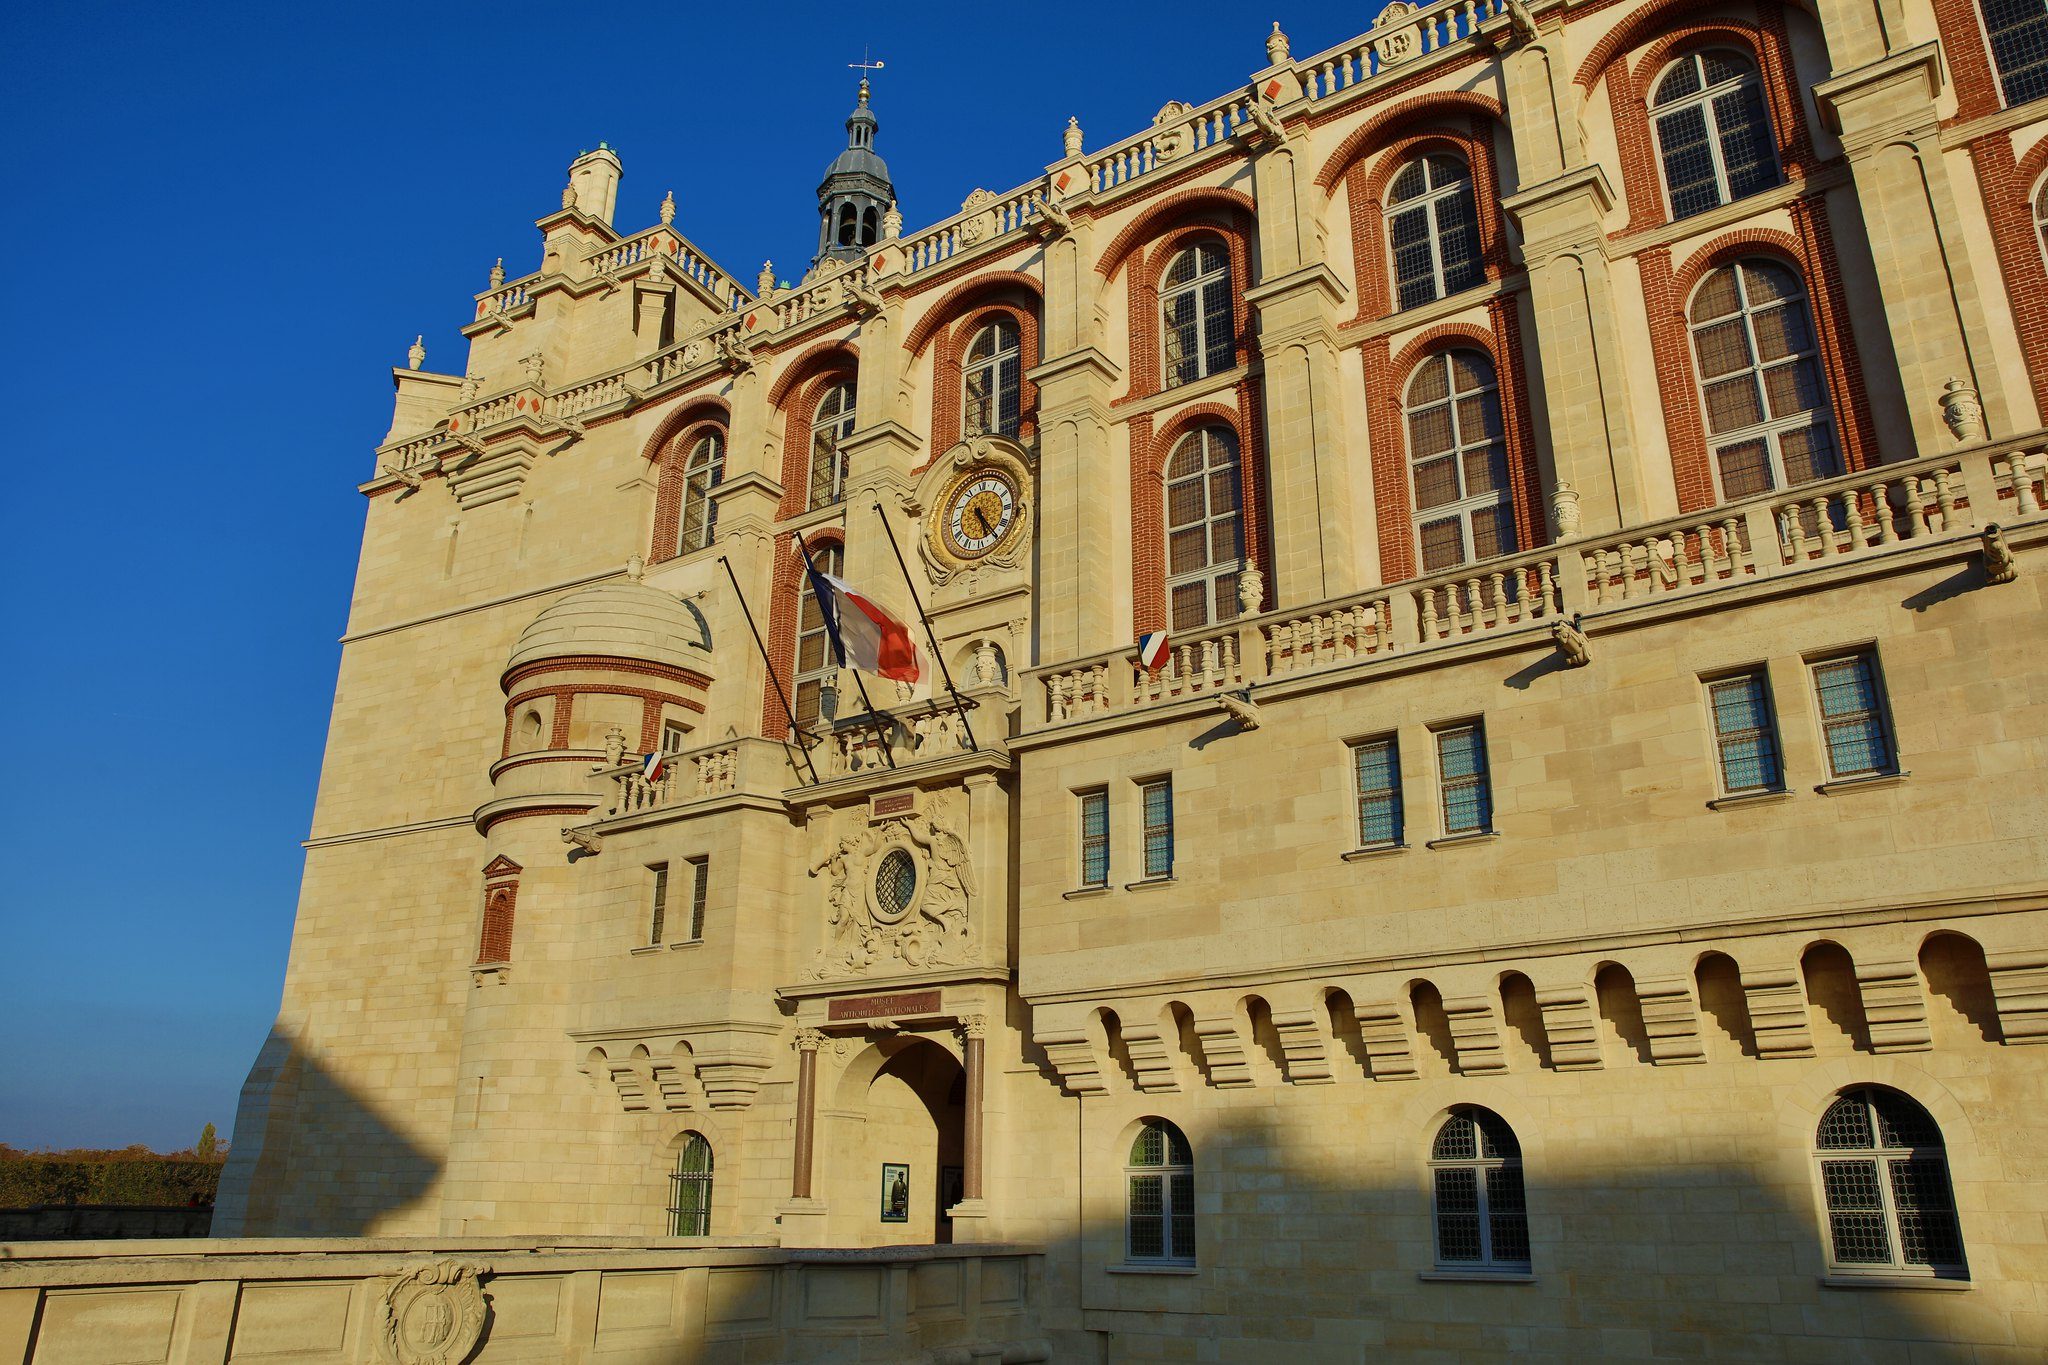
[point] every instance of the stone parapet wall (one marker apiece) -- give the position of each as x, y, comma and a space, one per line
414, 1300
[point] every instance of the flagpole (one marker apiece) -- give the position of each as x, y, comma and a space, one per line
775, 681
944, 672
839, 652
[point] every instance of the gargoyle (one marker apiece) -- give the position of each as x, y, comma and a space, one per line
862, 298
590, 841
411, 478
1521, 22
735, 354
1265, 120
1571, 642
2000, 564
1052, 222
1240, 707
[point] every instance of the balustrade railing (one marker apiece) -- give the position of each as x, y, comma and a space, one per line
1788, 531
678, 251
684, 777
1401, 32
508, 298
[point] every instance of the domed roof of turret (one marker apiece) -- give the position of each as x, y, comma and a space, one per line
621, 619
860, 156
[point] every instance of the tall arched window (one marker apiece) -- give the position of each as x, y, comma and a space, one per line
1884, 1175
1482, 1221
1458, 459
1713, 132
1199, 335
2041, 217
831, 424
701, 473
1204, 528
992, 381
1760, 383
689, 1199
1433, 230
1159, 1182
815, 665
2018, 33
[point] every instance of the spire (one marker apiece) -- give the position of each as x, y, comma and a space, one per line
856, 191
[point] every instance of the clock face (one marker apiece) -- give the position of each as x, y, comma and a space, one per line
979, 515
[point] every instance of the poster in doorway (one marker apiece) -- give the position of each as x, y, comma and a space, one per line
895, 1192
951, 1188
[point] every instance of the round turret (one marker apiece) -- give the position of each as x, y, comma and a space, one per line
617, 620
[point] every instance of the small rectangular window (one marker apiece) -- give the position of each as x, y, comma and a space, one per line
658, 896
673, 735
1461, 761
1095, 837
1376, 764
1158, 803
1745, 738
1852, 717
700, 888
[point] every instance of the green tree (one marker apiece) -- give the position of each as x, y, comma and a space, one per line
207, 1142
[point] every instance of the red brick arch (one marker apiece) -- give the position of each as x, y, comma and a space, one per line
695, 408
1149, 263
1381, 129
825, 355
961, 297
668, 493
1165, 211
947, 371
1149, 453
796, 434
1368, 179
2009, 187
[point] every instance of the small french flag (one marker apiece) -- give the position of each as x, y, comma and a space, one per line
651, 765
1151, 650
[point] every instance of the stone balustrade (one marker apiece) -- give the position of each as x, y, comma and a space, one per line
1944, 496
1401, 32
413, 1300
694, 775
921, 732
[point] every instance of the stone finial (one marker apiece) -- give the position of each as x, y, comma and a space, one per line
416, 354
1251, 591
535, 366
668, 208
764, 283
1276, 45
498, 274
987, 671
1564, 510
1073, 137
1962, 410
892, 223
614, 747
471, 382
569, 195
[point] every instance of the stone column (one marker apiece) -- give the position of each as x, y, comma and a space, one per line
973, 1035
808, 1041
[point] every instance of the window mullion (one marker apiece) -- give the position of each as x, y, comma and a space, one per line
1895, 1233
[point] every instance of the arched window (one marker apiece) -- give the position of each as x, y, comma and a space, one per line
1200, 335
530, 727
701, 473
2041, 217
1482, 1222
831, 424
2018, 33
815, 665
846, 224
868, 227
1884, 1175
991, 382
1433, 230
689, 1186
1160, 1184
1458, 458
1712, 131
1204, 529
1766, 410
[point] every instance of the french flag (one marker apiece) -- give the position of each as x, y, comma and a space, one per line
651, 765
863, 635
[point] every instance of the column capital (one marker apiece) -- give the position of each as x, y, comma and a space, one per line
809, 1039
974, 1026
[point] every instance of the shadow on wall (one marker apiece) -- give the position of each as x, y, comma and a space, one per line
312, 1158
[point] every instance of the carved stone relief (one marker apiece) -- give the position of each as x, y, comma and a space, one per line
432, 1315
897, 892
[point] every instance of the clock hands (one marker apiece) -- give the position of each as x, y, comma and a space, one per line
981, 517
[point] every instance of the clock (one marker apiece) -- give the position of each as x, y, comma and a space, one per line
978, 514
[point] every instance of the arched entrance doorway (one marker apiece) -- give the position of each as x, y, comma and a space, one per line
895, 1145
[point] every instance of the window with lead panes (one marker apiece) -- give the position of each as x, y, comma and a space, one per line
657, 896
831, 424
1481, 1215
1204, 529
1095, 838
2018, 34
991, 382
1713, 133
1376, 767
1157, 800
1760, 382
700, 890
1457, 457
1432, 230
1199, 335
1461, 767
814, 662
1745, 738
701, 473
1883, 1171
1160, 1196
1854, 727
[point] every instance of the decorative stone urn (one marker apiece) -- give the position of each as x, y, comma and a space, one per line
1564, 510
1962, 410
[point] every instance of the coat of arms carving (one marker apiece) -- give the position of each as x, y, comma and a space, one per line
897, 892
431, 1315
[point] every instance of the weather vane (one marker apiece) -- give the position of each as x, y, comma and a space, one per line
864, 64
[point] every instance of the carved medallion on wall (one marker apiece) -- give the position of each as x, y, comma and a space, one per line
897, 891
432, 1315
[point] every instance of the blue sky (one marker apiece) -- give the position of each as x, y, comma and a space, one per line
228, 221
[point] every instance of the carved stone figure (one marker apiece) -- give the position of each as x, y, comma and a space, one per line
1052, 222
1521, 22
466, 395
2000, 564
431, 1315
988, 668
862, 299
1071, 139
1397, 41
1962, 410
1571, 642
1265, 119
1240, 707
535, 366
569, 195
932, 928
735, 354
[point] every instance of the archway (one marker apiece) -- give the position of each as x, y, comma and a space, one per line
900, 1167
